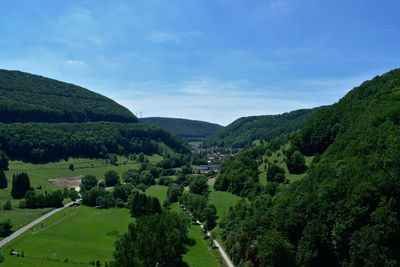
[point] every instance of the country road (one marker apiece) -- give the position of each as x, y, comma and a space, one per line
218, 245
30, 225
221, 250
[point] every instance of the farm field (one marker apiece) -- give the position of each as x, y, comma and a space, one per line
78, 235
40, 173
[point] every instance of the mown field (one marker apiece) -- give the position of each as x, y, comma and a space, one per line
39, 175
78, 235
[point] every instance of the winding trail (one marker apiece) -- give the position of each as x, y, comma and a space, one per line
32, 224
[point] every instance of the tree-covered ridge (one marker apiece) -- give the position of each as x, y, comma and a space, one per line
244, 131
187, 129
31, 98
41, 142
346, 211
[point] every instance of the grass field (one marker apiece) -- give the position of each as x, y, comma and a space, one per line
279, 159
79, 234
222, 201
40, 173
158, 191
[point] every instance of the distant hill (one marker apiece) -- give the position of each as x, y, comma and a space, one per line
187, 129
244, 131
26, 97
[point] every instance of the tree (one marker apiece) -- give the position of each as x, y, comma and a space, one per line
295, 162
20, 185
113, 159
210, 216
3, 161
275, 251
73, 194
275, 174
7, 205
111, 178
5, 228
71, 167
174, 192
199, 186
3, 180
155, 240
88, 182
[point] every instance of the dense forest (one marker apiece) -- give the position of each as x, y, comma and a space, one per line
244, 131
187, 129
40, 142
30, 98
346, 210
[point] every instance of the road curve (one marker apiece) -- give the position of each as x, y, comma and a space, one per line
30, 225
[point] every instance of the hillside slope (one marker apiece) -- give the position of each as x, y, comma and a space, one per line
244, 131
346, 211
187, 129
26, 97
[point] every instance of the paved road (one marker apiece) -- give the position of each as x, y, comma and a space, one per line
30, 225
218, 245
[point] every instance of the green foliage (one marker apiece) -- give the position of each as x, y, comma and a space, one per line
30, 98
295, 162
140, 204
346, 211
156, 240
111, 178
3, 161
276, 174
210, 216
141, 179
195, 204
239, 174
88, 182
187, 129
7, 205
5, 228
199, 185
20, 185
174, 193
48, 200
3, 180
244, 131
42, 142
98, 196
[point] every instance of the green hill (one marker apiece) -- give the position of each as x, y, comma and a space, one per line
44, 120
31, 98
244, 131
187, 129
346, 210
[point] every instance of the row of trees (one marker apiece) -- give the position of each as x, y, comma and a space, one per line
33, 200
42, 142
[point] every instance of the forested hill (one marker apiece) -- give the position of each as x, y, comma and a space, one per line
31, 98
346, 210
187, 129
244, 131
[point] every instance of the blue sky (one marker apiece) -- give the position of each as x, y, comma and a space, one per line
213, 60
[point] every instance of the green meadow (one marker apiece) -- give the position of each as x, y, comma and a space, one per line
78, 235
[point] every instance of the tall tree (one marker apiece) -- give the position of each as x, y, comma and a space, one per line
20, 185
3, 180
3, 161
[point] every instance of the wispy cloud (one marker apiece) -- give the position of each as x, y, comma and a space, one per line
173, 37
75, 63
